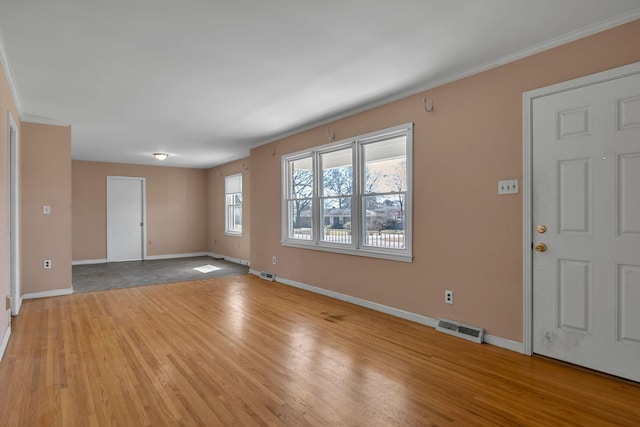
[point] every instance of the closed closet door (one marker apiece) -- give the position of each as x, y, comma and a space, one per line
125, 218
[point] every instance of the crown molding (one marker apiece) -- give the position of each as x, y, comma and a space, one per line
31, 118
541, 47
9, 75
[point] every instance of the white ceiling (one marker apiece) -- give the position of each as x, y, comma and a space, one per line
205, 80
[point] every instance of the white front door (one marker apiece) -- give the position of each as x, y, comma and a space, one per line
586, 193
125, 218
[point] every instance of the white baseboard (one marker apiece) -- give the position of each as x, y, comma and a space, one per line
89, 261
516, 346
171, 256
228, 258
413, 317
5, 340
46, 294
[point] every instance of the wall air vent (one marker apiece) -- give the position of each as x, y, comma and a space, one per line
468, 332
267, 276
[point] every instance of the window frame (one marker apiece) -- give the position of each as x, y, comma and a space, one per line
358, 194
227, 230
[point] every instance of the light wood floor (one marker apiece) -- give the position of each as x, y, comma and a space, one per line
240, 351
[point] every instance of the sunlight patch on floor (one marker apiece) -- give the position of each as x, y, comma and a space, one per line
207, 268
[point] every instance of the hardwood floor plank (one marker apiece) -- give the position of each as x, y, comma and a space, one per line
240, 351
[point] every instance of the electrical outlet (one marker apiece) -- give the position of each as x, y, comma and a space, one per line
448, 297
274, 260
47, 263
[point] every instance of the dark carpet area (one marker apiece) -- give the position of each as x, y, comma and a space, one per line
115, 275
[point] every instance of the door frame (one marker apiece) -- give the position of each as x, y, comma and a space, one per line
13, 174
527, 178
143, 181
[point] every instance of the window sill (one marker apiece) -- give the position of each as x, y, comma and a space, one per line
348, 251
229, 233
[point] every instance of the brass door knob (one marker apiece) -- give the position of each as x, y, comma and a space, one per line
541, 228
540, 247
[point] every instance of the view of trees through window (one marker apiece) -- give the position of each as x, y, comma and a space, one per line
384, 195
358, 210
300, 202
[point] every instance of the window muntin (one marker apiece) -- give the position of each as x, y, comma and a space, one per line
352, 196
233, 204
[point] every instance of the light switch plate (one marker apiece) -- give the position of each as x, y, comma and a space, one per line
508, 186
46, 209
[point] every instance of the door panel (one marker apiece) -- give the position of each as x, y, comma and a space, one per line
574, 294
125, 219
574, 191
586, 191
629, 195
628, 309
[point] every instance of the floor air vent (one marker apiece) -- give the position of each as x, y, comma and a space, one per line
267, 276
461, 330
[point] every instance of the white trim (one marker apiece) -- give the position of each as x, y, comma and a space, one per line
549, 44
237, 260
5, 340
228, 258
9, 75
14, 214
505, 343
357, 246
227, 180
16, 304
47, 294
171, 256
89, 261
396, 312
527, 239
527, 177
338, 250
41, 120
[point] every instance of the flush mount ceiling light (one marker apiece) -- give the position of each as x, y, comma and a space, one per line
160, 156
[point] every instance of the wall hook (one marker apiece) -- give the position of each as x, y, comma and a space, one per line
428, 105
245, 167
331, 135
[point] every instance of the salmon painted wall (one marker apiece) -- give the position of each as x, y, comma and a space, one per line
176, 208
7, 104
467, 238
219, 243
45, 180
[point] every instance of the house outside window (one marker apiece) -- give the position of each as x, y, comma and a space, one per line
233, 204
351, 196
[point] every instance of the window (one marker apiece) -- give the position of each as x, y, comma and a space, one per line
351, 196
233, 204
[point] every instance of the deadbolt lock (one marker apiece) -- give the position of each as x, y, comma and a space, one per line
540, 247
541, 228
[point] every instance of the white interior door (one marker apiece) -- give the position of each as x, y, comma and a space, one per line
125, 218
586, 193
